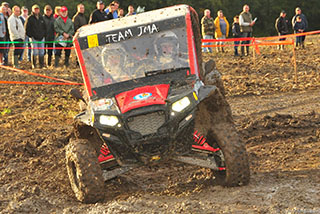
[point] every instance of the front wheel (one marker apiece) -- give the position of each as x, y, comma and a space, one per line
232, 158
224, 148
84, 171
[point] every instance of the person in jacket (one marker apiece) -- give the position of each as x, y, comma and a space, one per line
9, 11
36, 30
98, 15
299, 27
114, 10
246, 23
79, 18
222, 29
23, 17
6, 11
303, 19
207, 29
120, 13
236, 34
64, 29
281, 26
2, 34
110, 14
131, 11
17, 34
49, 20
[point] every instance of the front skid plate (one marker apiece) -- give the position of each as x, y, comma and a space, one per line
203, 162
109, 174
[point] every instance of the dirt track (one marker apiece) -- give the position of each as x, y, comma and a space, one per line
278, 119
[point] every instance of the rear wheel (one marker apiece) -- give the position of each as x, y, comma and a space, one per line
84, 171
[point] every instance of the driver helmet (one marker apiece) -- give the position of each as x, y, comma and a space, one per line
113, 55
166, 44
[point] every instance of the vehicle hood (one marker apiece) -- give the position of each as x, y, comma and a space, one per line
142, 96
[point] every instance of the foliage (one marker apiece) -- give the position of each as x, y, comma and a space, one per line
266, 10
6, 111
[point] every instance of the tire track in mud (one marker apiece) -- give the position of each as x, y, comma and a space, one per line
287, 103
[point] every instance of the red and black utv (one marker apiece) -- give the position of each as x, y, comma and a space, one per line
149, 98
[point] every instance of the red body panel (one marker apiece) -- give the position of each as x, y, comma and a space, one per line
191, 46
143, 96
83, 67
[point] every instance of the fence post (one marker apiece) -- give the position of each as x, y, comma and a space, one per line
253, 51
294, 62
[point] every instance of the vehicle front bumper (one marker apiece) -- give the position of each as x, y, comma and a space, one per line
173, 137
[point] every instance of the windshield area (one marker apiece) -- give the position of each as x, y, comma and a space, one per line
137, 57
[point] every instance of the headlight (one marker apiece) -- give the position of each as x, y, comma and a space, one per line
179, 105
108, 120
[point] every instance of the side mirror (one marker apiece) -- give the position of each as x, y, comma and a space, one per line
76, 93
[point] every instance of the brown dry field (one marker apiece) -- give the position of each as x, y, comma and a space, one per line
277, 117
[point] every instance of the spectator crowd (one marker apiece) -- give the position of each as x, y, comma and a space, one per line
50, 33
242, 27
47, 34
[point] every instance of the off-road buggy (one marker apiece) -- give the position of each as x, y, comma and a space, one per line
149, 98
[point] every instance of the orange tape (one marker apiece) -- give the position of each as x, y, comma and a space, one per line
35, 74
39, 83
231, 45
261, 38
275, 43
257, 44
290, 35
227, 40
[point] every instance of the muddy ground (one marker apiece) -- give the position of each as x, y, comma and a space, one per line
278, 118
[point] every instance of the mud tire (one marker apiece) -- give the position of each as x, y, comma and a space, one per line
84, 171
237, 171
83, 131
214, 120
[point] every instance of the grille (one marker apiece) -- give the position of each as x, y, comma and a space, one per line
147, 123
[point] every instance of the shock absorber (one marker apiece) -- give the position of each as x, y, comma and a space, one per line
201, 142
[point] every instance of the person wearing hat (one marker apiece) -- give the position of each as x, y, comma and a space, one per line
36, 30
49, 20
281, 26
23, 17
98, 15
64, 29
17, 34
6, 4
303, 19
